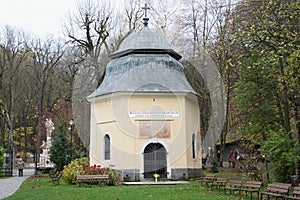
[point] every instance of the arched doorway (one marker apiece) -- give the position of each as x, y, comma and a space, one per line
155, 160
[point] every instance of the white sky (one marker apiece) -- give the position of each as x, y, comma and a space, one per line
38, 17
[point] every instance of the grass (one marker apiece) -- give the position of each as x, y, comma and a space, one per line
43, 188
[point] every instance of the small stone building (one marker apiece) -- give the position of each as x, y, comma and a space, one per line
145, 115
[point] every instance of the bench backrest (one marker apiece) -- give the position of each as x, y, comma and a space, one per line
210, 177
222, 180
235, 182
253, 184
92, 176
282, 188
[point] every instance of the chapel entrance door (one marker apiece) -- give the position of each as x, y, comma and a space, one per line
155, 160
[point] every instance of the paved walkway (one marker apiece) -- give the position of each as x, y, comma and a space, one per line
9, 186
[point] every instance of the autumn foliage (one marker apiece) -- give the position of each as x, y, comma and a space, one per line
81, 166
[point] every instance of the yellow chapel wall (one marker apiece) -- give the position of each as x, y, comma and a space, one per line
193, 127
176, 143
111, 117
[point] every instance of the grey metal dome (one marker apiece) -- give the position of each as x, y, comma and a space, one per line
144, 63
145, 41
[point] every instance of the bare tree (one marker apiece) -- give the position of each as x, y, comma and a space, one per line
133, 13
13, 55
163, 13
88, 31
202, 23
45, 57
126, 23
89, 27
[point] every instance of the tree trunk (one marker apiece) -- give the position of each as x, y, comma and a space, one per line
2, 120
40, 122
225, 128
284, 99
2, 131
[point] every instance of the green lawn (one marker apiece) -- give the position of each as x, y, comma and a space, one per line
42, 188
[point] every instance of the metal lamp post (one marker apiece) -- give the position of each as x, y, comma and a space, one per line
71, 136
11, 152
11, 156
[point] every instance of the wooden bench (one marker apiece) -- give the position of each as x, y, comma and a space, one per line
277, 190
55, 177
220, 182
251, 187
209, 178
91, 179
235, 184
295, 194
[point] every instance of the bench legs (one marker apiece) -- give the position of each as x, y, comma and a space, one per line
217, 187
268, 196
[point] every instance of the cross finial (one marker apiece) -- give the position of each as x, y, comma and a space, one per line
146, 8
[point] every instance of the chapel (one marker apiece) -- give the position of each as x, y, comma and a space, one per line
145, 114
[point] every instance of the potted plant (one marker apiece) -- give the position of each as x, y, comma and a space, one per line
156, 176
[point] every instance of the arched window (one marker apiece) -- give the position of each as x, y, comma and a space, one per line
106, 147
194, 146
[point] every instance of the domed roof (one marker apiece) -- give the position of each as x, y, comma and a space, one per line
144, 73
144, 63
145, 41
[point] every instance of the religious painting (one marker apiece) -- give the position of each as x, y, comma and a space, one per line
158, 128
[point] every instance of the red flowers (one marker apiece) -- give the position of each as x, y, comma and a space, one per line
95, 169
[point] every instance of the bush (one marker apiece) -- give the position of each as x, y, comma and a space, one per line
252, 169
114, 178
81, 166
283, 153
75, 167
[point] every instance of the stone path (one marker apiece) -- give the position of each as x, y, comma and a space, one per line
9, 186
156, 183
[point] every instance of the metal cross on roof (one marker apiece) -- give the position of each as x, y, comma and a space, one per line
146, 8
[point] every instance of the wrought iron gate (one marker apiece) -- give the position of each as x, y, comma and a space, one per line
155, 160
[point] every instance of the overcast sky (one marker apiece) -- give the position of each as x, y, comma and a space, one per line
39, 17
